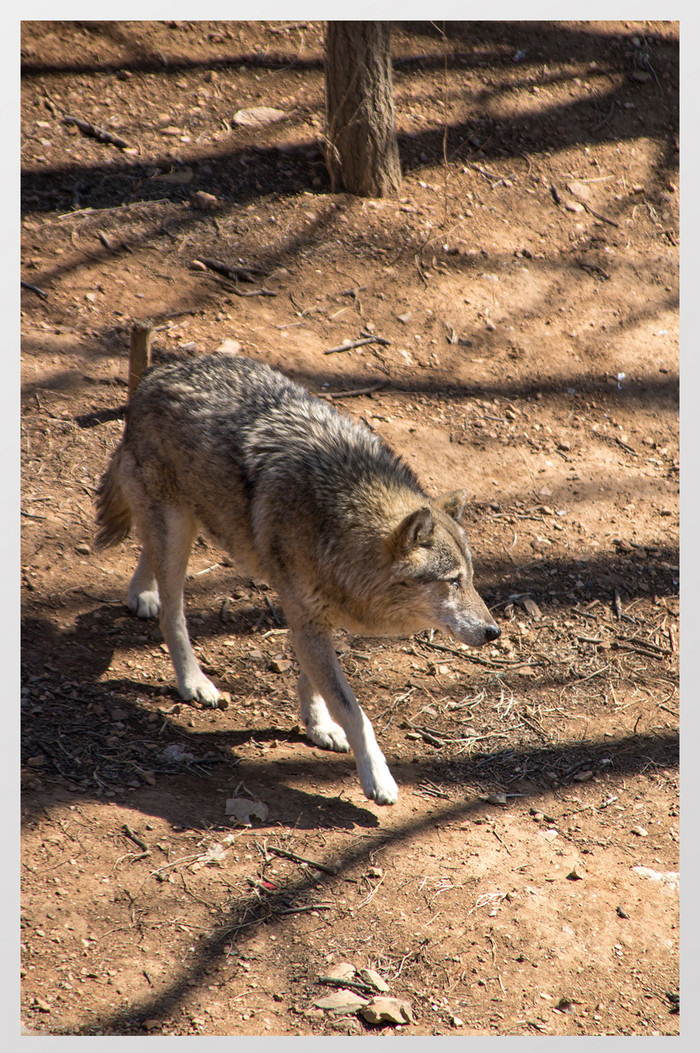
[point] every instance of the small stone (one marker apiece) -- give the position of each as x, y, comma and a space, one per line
372, 977
388, 1010
375, 872
497, 798
228, 347
201, 200
341, 1002
280, 665
531, 608
621, 912
257, 115
83, 548
579, 190
574, 875
640, 831
583, 776
341, 971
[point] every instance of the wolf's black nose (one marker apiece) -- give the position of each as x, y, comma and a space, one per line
492, 632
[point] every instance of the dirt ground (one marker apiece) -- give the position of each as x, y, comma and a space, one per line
525, 284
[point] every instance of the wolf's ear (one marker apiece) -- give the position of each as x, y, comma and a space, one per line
416, 529
453, 504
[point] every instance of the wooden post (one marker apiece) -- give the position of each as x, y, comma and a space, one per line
139, 353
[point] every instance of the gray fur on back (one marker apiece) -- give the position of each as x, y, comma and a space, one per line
267, 426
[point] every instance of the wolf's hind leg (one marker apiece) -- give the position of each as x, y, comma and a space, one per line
320, 726
143, 598
319, 661
167, 534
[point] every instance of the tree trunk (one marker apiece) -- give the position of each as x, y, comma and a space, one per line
362, 154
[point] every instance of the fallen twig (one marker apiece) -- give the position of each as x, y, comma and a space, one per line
355, 391
349, 345
598, 215
286, 26
238, 292
301, 910
135, 837
35, 289
244, 274
301, 859
476, 658
334, 981
93, 132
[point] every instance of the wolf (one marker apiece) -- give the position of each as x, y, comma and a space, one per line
303, 497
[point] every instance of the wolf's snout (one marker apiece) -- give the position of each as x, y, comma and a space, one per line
491, 632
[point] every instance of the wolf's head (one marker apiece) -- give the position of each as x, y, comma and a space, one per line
432, 576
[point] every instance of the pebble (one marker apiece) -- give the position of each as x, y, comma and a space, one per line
341, 971
257, 115
228, 347
203, 201
388, 1010
341, 1002
371, 976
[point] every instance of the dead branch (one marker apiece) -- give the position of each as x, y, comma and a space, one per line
243, 274
301, 859
35, 289
92, 131
356, 391
349, 345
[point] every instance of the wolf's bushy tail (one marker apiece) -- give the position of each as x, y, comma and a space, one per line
113, 510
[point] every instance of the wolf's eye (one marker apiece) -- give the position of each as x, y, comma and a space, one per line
455, 582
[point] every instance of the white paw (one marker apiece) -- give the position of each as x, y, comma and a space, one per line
145, 604
199, 689
329, 736
377, 782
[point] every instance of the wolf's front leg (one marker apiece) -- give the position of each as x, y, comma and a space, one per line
319, 662
319, 724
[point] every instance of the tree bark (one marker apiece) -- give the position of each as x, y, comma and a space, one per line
362, 154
